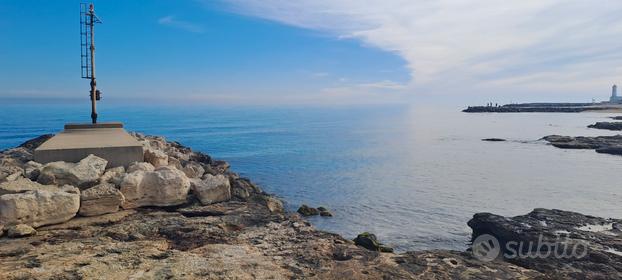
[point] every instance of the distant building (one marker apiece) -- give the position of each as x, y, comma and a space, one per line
614, 95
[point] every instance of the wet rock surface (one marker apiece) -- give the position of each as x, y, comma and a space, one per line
607, 125
601, 144
568, 245
494, 139
250, 236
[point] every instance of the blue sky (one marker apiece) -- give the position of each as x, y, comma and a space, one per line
317, 51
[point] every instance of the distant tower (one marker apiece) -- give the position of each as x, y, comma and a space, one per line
614, 95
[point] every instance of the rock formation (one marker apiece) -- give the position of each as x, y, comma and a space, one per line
101, 199
601, 144
607, 125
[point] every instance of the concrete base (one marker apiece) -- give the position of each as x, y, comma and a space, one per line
107, 140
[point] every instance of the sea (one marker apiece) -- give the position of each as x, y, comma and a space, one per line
413, 175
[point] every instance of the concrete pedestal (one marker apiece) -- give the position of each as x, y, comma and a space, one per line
106, 140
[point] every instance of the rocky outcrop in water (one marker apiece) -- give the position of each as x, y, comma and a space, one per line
561, 244
601, 144
607, 125
197, 234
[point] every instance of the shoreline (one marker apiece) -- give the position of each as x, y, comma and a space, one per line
250, 235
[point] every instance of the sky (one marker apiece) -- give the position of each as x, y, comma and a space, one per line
317, 51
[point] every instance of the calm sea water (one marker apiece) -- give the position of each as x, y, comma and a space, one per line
414, 176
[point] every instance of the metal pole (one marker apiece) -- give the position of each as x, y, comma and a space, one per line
93, 83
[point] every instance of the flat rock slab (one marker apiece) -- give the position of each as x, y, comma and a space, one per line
71, 145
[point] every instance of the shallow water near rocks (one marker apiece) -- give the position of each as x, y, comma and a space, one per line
413, 176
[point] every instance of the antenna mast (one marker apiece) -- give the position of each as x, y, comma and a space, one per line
88, 19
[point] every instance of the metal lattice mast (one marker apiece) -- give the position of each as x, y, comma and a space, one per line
87, 45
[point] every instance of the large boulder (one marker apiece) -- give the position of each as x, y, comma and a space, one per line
84, 173
156, 157
212, 189
101, 199
166, 186
140, 166
568, 245
23, 185
40, 207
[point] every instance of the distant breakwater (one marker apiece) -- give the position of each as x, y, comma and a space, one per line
542, 108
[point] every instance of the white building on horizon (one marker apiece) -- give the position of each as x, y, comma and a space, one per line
614, 95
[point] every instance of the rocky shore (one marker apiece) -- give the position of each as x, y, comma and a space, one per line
182, 215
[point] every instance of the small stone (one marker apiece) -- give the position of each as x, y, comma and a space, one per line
242, 188
174, 162
326, 214
308, 211
193, 170
385, 249
32, 170
274, 205
113, 175
368, 241
7, 172
20, 230
14, 176
1, 230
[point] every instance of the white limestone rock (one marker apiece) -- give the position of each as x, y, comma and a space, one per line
23, 185
193, 170
101, 199
14, 176
9, 171
156, 157
140, 166
212, 189
166, 186
174, 162
40, 207
85, 172
113, 175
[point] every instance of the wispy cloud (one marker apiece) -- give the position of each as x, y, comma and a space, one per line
476, 44
172, 21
